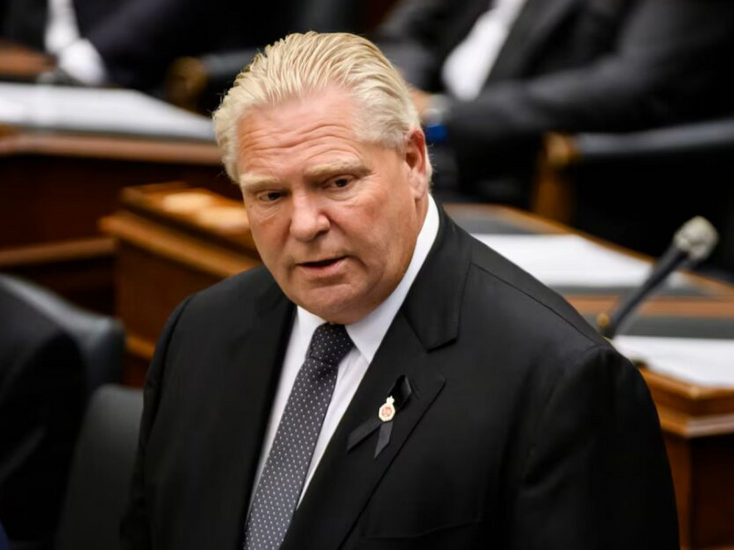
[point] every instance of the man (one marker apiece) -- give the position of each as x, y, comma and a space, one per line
447, 399
502, 72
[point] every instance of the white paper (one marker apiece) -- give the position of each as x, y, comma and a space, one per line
12, 112
571, 260
705, 362
98, 110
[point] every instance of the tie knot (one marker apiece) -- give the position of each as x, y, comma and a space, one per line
330, 343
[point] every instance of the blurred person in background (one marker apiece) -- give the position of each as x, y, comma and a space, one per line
130, 43
491, 76
41, 405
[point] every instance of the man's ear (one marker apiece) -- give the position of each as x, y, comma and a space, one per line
415, 162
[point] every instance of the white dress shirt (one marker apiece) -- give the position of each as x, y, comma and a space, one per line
367, 335
61, 26
469, 64
75, 55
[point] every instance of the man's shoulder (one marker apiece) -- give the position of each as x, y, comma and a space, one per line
509, 293
241, 293
514, 324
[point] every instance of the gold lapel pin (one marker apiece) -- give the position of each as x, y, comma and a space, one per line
387, 410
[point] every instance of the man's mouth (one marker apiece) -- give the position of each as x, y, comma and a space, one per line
322, 263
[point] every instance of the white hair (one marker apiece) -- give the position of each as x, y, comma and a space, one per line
300, 64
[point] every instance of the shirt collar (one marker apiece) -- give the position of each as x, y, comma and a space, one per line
367, 333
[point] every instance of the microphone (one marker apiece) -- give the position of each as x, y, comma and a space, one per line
692, 243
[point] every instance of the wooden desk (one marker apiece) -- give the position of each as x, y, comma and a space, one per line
171, 247
172, 240
618, 185
54, 187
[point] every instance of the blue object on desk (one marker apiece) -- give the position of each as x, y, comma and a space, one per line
436, 133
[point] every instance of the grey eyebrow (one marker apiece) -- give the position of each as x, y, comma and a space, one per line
335, 168
253, 181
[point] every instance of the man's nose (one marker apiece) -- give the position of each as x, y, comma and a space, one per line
308, 218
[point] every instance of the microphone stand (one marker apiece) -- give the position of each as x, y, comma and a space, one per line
692, 243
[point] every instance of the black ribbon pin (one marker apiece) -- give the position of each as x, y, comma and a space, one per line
396, 400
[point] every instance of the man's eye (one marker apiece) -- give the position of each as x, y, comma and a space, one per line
271, 196
341, 181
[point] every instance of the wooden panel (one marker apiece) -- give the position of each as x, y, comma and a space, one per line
712, 510
679, 455
698, 428
47, 198
54, 188
139, 355
151, 286
553, 194
81, 270
685, 407
172, 241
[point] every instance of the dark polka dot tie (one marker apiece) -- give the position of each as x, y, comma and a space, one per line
285, 469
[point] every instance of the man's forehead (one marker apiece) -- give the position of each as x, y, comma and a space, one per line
296, 123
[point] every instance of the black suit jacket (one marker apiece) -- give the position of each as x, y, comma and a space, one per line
41, 402
138, 39
524, 429
570, 65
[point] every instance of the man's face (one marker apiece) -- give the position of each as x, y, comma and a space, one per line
335, 219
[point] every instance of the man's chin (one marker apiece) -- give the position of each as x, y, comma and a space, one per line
333, 304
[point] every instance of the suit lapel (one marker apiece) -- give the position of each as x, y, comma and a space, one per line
346, 478
536, 20
250, 379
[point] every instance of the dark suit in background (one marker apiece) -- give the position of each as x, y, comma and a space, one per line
41, 401
138, 39
23, 22
525, 429
568, 65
